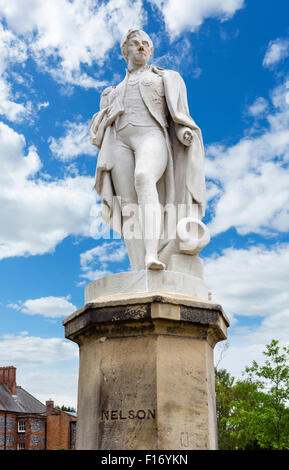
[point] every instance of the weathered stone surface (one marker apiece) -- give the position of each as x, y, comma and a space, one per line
181, 263
147, 281
146, 376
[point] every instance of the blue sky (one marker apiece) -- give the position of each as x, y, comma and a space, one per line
56, 56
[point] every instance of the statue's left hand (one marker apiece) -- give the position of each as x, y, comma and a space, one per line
184, 134
187, 138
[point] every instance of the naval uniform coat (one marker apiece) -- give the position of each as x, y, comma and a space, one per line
184, 179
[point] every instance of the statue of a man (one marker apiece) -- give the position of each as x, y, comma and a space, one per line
151, 154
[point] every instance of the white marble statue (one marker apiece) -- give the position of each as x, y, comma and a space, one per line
151, 157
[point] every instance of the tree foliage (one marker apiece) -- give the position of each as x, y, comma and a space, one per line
235, 400
69, 409
253, 413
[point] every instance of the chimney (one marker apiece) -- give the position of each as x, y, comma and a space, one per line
8, 377
49, 407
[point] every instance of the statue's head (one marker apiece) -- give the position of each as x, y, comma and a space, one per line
137, 47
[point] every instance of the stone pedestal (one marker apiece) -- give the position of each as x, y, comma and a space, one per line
146, 374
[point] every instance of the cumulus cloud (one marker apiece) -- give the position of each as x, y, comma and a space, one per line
277, 51
243, 350
67, 37
188, 15
46, 367
247, 343
55, 380
259, 106
75, 142
250, 178
64, 35
12, 51
179, 56
36, 214
51, 307
94, 263
251, 283
24, 350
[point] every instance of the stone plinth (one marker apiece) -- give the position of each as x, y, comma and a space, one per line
150, 281
146, 374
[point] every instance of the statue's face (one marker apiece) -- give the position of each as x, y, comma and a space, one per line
138, 49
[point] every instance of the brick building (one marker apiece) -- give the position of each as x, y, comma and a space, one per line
60, 428
28, 424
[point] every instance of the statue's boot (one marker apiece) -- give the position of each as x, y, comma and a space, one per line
152, 262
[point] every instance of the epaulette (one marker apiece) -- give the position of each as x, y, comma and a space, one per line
107, 90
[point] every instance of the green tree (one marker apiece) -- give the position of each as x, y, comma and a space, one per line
224, 396
270, 420
69, 409
235, 400
253, 413
246, 400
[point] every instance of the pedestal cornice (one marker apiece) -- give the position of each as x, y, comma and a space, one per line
146, 313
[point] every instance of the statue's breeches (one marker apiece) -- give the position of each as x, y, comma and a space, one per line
139, 157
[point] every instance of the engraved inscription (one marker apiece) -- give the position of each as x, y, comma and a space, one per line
131, 414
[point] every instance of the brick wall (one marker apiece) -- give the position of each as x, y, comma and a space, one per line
59, 427
32, 438
58, 430
8, 377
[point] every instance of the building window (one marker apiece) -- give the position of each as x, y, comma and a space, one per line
21, 425
20, 446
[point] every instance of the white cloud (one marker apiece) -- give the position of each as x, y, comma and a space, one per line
247, 344
67, 37
212, 190
94, 262
75, 142
251, 283
43, 105
14, 112
243, 350
259, 106
24, 350
180, 55
252, 176
190, 14
51, 307
12, 50
277, 50
63, 35
53, 381
36, 214
108, 252
93, 275
46, 367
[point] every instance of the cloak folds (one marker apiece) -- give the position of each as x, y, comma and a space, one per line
183, 180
